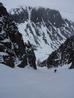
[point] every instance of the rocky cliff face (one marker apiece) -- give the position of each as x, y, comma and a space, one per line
43, 27
38, 18
12, 48
63, 55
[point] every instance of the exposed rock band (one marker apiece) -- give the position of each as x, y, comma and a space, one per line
11, 42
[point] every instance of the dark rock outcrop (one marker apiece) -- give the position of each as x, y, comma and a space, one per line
63, 55
12, 47
3, 11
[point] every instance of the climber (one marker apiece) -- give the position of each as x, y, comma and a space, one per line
55, 70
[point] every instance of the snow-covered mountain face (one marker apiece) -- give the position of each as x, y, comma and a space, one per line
43, 27
63, 55
12, 46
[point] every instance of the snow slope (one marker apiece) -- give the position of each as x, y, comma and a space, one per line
43, 50
46, 39
41, 83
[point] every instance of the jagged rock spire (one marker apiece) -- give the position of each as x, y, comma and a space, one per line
1, 4
3, 11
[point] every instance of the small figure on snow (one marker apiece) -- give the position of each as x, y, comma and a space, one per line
55, 70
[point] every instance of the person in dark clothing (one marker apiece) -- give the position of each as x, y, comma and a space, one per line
55, 70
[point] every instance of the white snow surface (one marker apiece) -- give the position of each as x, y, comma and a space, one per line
41, 83
43, 50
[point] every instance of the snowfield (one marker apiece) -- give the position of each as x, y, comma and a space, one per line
41, 83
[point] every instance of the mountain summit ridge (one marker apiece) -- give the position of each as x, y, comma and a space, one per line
43, 27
